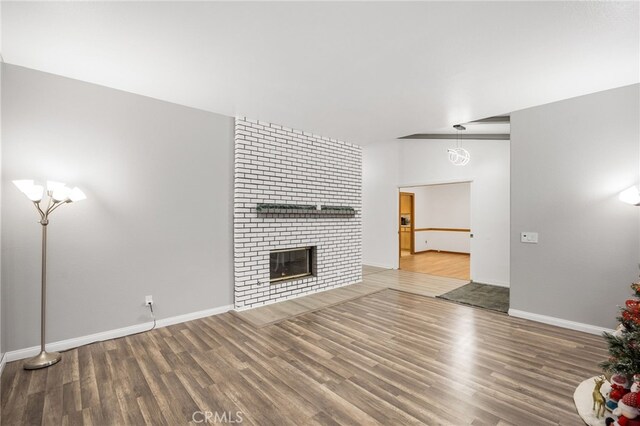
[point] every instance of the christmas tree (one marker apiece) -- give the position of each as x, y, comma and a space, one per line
624, 343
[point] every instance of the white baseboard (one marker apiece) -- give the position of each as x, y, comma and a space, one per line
193, 316
3, 361
112, 334
559, 322
377, 265
491, 282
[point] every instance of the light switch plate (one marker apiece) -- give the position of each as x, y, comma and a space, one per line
529, 237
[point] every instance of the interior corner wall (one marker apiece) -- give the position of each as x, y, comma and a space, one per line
441, 206
158, 219
380, 166
569, 161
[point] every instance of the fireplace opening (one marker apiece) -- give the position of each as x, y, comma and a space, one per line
289, 264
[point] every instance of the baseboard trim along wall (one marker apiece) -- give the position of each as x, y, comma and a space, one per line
3, 361
111, 334
440, 251
377, 265
491, 282
559, 322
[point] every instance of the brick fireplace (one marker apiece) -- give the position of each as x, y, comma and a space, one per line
294, 190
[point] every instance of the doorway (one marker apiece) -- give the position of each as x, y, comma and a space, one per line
435, 229
406, 224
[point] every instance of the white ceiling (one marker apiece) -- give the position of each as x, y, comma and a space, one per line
361, 71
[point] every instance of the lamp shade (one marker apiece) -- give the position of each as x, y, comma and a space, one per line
76, 194
459, 156
58, 191
28, 188
630, 196
24, 185
35, 193
61, 193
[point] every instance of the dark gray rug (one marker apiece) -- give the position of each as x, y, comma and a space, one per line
481, 295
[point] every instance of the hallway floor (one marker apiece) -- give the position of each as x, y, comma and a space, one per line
453, 265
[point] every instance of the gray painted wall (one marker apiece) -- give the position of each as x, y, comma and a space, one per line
158, 218
569, 161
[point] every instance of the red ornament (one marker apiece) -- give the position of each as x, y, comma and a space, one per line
632, 315
632, 309
617, 392
631, 399
620, 380
623, 421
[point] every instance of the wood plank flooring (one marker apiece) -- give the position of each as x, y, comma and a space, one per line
423, 284
386, 358
454, 265
367, 269
276, 312
414, 282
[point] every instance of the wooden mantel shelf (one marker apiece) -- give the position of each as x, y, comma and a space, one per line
264, 208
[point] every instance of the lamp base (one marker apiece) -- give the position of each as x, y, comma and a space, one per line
42, 360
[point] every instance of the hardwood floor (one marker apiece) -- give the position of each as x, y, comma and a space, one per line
414, 282
454, 265
423, 284
386, 358
367, 269
276, 312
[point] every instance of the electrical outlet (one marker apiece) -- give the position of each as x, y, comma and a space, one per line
529, 237
148, 300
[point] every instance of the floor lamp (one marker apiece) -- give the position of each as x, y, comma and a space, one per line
57, 194
630, 196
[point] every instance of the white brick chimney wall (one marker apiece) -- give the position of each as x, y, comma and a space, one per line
274, 164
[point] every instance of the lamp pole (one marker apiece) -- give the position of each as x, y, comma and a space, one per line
44, 358
43, 291
58, 195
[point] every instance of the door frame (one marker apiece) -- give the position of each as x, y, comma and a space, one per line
470, 181
413, 223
